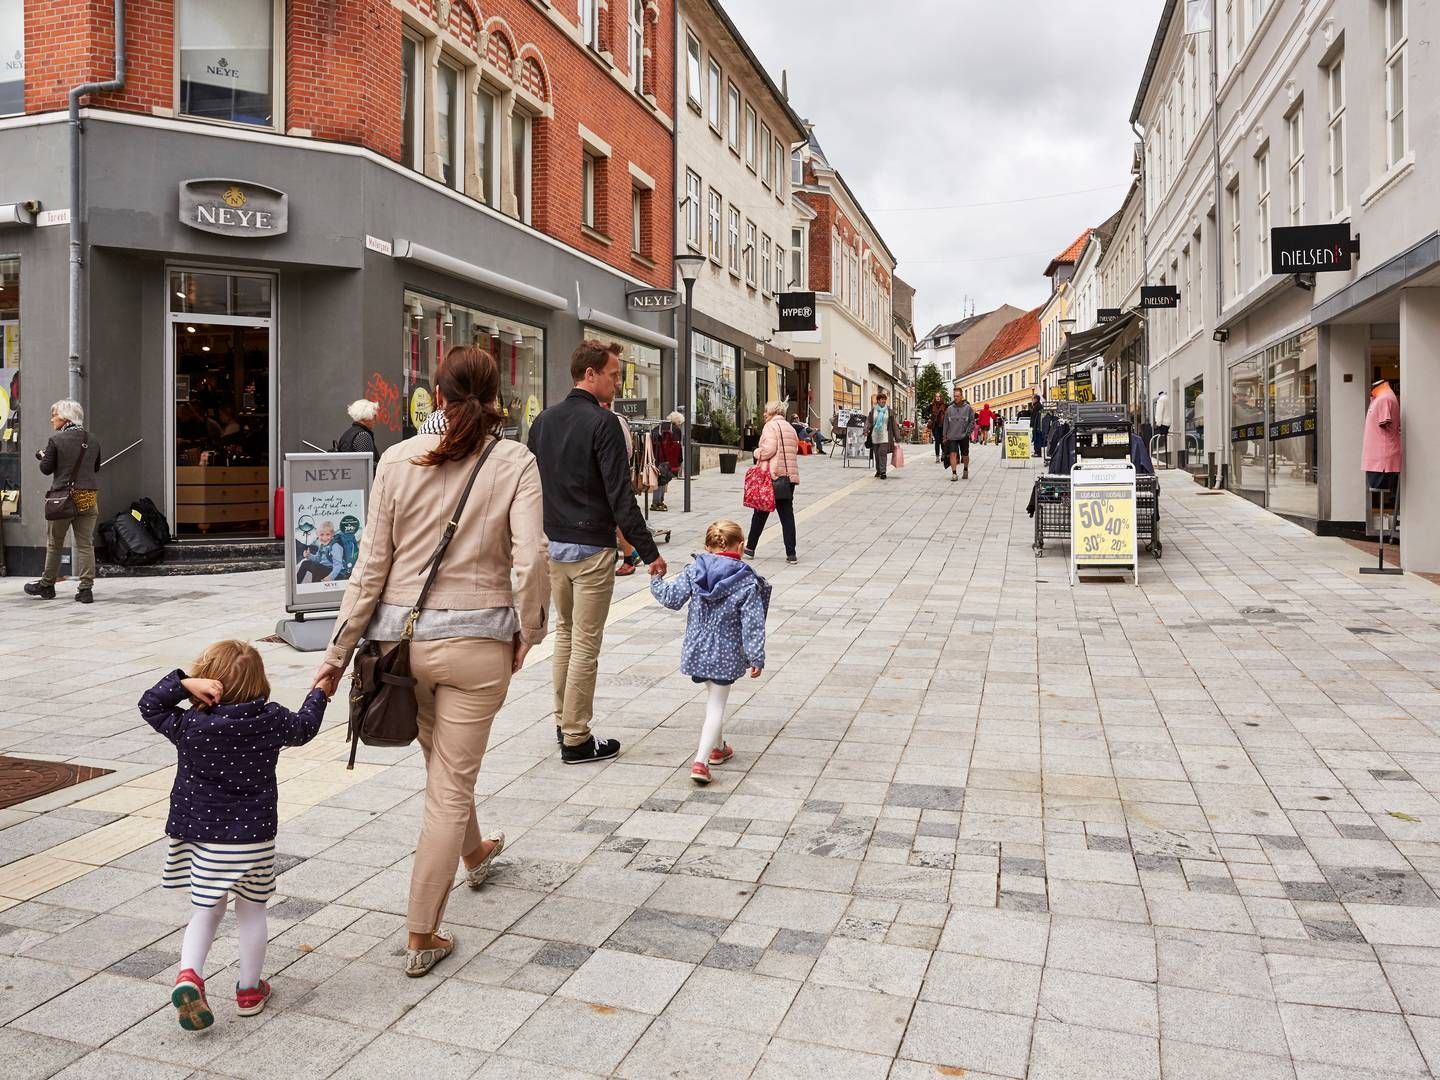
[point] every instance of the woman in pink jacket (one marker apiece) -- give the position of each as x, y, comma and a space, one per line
779, 449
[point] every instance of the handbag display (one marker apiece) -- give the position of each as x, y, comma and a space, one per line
60, 499
759, 489
383, 709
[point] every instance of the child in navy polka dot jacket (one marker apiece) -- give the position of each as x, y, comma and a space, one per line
725, 631
224, 809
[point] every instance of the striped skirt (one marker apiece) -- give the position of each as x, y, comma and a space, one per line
212, 870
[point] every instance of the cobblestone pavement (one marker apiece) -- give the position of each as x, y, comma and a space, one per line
979, 823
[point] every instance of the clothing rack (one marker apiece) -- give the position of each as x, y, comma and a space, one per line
642, 430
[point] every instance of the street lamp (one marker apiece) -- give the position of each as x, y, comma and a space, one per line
689, 267
1066, 325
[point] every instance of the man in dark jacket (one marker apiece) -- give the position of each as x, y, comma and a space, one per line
585, 477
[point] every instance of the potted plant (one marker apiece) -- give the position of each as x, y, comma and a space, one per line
729, 433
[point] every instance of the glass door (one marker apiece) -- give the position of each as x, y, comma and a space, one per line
1247, 429
223, 436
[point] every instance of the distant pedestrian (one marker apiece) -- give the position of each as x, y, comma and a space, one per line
959, 421
585, 473
359, 437
72, 457
1034, 412
669, 456
937, 425
224, 809
882, 431
724, 633
985, 420
779, 450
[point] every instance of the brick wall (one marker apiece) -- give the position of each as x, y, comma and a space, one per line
820, 229
68, 42
343, 72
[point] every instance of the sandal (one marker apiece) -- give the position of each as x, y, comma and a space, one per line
418, 962
475, 878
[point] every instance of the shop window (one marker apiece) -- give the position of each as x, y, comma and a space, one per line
520, 162
412, 94
693, 78
10, 466
712, 103
715, 225
487, 146
12, 57
639, 395
1247, 429
449, 123
193, 293
732, 116
433, 326
714, 376
227, 60
1291, 436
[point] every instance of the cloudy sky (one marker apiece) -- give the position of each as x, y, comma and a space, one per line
950, 103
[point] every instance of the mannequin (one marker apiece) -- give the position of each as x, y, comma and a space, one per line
1161, 419
1380, 451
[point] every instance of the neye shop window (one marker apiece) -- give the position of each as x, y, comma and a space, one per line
639, 373
10, 467
228, 60
12, 57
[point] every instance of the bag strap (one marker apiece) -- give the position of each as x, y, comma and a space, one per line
80, 459
445, 538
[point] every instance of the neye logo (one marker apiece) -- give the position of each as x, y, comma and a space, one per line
223, 69
320, 475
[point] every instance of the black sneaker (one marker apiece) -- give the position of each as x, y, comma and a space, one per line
597, 749
84, 596
792, 559
40, 589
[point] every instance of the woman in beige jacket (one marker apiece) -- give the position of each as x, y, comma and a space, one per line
779, 449
476, 628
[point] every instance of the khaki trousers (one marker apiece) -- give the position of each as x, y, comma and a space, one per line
582, 592
461, 684
84, 526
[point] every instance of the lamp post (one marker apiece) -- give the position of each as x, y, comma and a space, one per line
689, 267
1066, 325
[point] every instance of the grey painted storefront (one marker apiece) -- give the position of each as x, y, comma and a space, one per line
338, 305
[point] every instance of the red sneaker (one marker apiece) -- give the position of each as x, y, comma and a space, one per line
700, 772
188, 997
251, 1001
721, 754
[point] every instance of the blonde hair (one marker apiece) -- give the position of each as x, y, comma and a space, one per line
237, 667
723, 534
774, 408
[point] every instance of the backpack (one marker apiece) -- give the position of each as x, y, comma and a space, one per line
129, 541
152, 518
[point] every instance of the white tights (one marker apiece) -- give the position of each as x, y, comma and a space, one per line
249, 927
712, 735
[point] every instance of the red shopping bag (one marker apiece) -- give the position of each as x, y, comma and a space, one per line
897, 457
759, 489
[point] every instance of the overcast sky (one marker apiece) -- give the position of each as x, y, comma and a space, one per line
926, 103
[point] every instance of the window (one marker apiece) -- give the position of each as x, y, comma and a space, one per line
712, 105
1186, 301
1396, 37
779, 283
693, 77
637, 45
715, 225
779, 162
765, 154
1295, 141
797, 258
837, 268
750, 136
1232, 200
637, 220
749, 252
227, 60
732, 116
797, 169
487, 146
1232, 35
692, 208
412, 110
765, 262
590, 23
1335, 84
733, 237
448, 124
587, 190
1262, 212
11, 469
520, 170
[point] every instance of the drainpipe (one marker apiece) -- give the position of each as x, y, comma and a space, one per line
1144, 269
679, 396
1220, 396
77, 213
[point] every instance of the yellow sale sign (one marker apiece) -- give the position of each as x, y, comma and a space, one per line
1017, 445
1102, 517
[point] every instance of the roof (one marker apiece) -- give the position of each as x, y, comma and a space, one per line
781, 98
1070, 255
1015, 337
1166, 17
817, 153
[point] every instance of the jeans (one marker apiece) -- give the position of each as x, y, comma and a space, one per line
786, 509
937, 434
84, 528
659, 495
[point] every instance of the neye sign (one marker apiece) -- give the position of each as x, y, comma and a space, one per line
653, 300
797, 311
234, 208
1311, 249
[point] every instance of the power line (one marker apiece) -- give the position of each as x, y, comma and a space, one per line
1001, 202
978, 259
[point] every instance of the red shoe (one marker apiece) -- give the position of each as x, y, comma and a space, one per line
700, 772
251, 1001
721, 754
188, 997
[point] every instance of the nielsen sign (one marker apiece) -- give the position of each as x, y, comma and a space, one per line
1312, 249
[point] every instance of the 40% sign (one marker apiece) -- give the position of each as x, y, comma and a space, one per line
1103, 523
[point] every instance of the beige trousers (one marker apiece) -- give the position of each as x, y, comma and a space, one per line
582, 592
461, 684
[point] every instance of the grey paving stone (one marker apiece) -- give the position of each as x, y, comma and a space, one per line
850, 1019
390, 1054
35, 1057
795, 909
1328, 980
448, 1014
578, 1035
296, 1047
867, 965
100, 942
750, 1002
978, 982
145, 963
786, 1059
365, 995
708, 1052
673, 936
26, 983
733, 957
799, 942
1099, 1001
956, 1038
1231, 1023
1380, 885
1351, 1039
109, 1064
1122, 950
1063, 1051
94, 1011
1001, 935
626, 980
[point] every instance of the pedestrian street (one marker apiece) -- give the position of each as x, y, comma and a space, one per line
979, 822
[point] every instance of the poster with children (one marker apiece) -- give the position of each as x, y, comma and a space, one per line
327, 527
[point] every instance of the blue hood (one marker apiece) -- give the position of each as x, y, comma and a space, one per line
717, 576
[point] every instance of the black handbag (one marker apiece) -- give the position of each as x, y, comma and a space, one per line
784, 488
60, 499
383, 709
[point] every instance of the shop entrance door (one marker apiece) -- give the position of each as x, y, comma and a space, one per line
222, 437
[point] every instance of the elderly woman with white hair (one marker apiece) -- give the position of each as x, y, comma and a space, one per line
72, 458
669, 455
779, 451
359, 437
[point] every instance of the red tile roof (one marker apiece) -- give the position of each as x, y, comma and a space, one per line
1070, 254
1014, 338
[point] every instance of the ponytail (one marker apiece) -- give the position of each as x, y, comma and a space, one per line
469, 385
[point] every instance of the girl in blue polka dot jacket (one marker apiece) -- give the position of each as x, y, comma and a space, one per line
725, 631
224, 809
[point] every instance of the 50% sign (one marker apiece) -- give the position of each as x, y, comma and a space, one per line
1102, 519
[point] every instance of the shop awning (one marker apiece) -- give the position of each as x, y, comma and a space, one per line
624, 328
21, 213
410, 251
1085, 346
